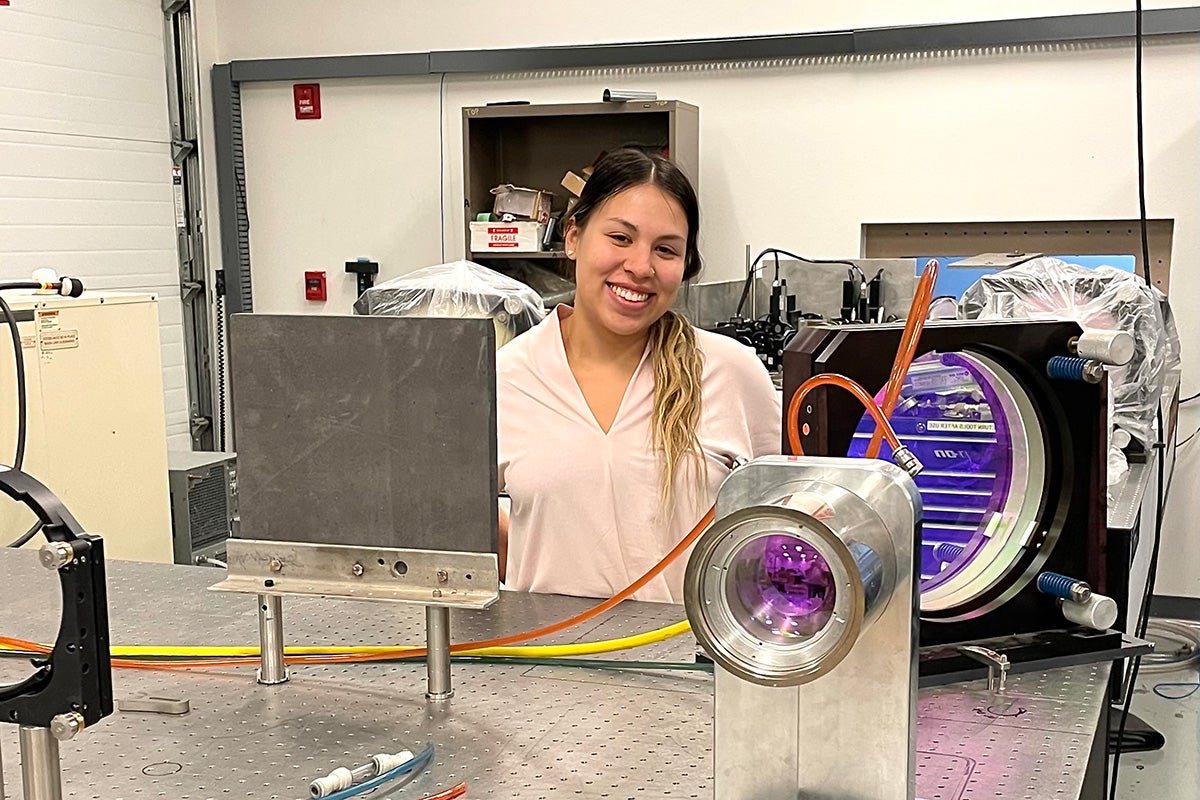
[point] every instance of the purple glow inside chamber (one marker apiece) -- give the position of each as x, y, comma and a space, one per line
782, 589
949, 414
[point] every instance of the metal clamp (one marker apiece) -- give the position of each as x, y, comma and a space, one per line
154, 705
997, 664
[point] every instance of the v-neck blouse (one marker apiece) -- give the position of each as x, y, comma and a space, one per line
586, 516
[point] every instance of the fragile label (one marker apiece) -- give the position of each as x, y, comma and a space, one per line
60, 340
955, 425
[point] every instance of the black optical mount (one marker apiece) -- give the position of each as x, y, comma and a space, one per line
72, 687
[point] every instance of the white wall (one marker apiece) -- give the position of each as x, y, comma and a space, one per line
797, 154
361, 181
263, 29
85, 167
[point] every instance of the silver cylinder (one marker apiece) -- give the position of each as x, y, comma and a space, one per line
41, 773
1112, 347
270, 640
437, 660
627, 95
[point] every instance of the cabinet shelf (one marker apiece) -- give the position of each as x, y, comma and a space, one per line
537, 255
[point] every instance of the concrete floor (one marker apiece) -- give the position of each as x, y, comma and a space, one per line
1172, 773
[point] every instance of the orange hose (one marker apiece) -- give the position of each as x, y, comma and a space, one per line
917, 313
449, 794
841, 381
500, 641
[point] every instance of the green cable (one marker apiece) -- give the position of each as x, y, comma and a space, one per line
584, 663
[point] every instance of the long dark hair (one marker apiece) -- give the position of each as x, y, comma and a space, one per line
628, 167
678, 362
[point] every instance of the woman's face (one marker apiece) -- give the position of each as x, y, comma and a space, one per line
629, 259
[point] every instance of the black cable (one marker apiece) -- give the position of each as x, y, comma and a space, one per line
1141, 140
1189, 399
1152, 574
778, 252
27, 535
1188, 439
19, 357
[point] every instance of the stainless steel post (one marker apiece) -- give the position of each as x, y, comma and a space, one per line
41, 773
437, 660
1, 770
270, 640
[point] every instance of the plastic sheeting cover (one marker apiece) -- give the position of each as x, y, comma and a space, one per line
457, 289
1103, 298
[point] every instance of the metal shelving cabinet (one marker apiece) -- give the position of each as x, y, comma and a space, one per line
535, 145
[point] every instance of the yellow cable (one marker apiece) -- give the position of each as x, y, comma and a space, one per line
525, 651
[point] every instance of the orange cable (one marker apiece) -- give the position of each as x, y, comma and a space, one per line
913, 327
501, 641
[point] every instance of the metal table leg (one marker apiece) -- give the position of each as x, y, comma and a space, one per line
437, 661
41, 772
1, 770
270, 640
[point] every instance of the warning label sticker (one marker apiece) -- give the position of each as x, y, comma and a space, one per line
28, 342
47, 320
60, 340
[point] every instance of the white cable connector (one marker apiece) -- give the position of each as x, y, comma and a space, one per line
384, 762
340, 778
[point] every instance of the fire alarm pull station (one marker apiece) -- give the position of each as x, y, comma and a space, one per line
308, 100
314, 286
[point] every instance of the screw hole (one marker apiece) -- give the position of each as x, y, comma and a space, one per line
468, 576
381, 562
399, 568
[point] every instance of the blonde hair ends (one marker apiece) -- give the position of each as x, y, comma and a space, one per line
678, 365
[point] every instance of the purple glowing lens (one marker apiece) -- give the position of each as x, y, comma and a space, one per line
782, 589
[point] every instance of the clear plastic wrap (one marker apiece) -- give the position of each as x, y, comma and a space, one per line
1104, 298
458, 289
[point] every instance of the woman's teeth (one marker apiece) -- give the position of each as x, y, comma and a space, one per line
626, 294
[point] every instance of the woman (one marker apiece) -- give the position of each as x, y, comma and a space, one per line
617, 420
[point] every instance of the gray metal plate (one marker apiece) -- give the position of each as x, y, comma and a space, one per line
373, 431
510, 731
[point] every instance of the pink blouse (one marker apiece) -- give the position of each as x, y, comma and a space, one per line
587, 517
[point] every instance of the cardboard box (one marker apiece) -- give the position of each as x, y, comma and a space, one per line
573, 183
531, 204
511, 237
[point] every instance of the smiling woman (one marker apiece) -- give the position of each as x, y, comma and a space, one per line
617, 420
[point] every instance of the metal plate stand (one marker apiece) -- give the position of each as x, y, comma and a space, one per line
437, 580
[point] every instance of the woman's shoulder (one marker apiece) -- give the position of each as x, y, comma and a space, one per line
518, 356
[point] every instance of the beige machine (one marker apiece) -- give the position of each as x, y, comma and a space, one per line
97, 429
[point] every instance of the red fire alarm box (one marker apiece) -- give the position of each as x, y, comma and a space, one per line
308, 100
314, 286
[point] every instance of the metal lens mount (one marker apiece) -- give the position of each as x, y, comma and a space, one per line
774, 595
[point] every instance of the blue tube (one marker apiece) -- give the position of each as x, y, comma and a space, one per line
1056, 585
1066, 368
416, 762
